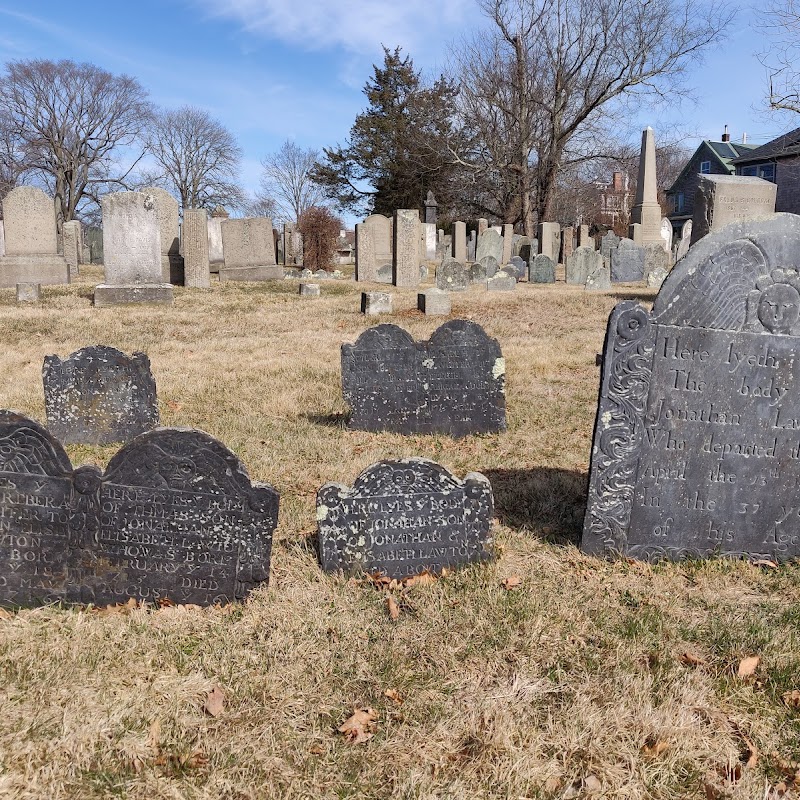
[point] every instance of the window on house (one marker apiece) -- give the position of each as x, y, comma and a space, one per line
767, 172
749, 170
705, 167
679, 202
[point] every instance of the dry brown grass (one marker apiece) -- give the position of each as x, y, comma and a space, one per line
571, 683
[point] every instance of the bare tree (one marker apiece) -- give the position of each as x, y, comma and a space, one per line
72, 122
286, 181
198, 158
781, 24
553, 75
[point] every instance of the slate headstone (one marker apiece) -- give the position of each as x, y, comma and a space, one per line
519, 267
542, 269
696, 449
627, 262
99, 395
477, 272
452, 384
581, 264
401, 518
452, 276
174, 516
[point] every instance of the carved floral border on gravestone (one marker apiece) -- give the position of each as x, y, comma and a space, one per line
401, 518
174, 515
99, 395
696, 448
454, 383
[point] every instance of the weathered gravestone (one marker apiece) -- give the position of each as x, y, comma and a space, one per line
549, 240
627, 262
518, 267
582, 263
383, 274
656, 258
173, 516
523, 247
452, 276
685, 240
167, 211
405, 517
489, 266
249, 250
599, 279
452, 384
490, 243
542, 269
99, 395
405, 270
696, 448
608, 243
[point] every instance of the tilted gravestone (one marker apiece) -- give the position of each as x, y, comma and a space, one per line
695, 449
174, 516
628, 262
452, 384
452, 276
405, 517
99, 395
542, 269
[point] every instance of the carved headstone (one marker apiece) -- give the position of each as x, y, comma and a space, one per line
167, 212
249, 250
581, 264
405, 517
656, 258
696, 449
628, 262
490, 243
472, 244
542, 269
608, 243
666, 234
405, 270
599, 279
685, 240
174, 516
197, 272
73, 245
549, 240
460, 241
452, 384
452, 276
99, 395
434, 303
516, 267
490, 266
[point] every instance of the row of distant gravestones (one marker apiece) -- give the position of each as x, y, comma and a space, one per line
696, 451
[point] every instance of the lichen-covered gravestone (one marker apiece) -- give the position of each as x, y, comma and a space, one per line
99, 395
696, 448
453, 384
628, 262
173, 516
452, 276
404, 517
542, 269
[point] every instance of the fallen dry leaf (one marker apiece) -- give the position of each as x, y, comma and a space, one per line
423, 579
552, 784
360, 727
512, 582
173, 406
215, 702
195, 761
765, 562
4, 614
394, 609
165, 602
748, 666
653, 748
691, 659
792, 699
591, 784
154, 736
394, 696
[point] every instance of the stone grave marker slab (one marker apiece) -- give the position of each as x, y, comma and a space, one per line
99, 395
174, 516
401, 518
490, 266
490, 243
453, 383
582, 263
542, 269
628, 262
453, 276
608, 243
696, 449
518, 266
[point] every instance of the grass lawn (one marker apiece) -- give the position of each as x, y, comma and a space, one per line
589, 679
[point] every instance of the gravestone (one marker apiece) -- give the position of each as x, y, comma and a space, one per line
452, 384
656, 278
542, 270
460, 241
477, 271
428, 251
635, 233
472, 244
132, 252
628, 262
501, 282
567, 243
452, 276
722, 199
656, 258
29, 292
2, 239
666, 234
490, 266
405, 271
608, 243
430, 209
695, 449
168, 217
523, 247
73, 245
518, 267
581, 264
508, 243
173, 516
401, 518
99, 395
384, 273
685, 240
483, 226
599, 279
197, 267
309, 290
31, 246
549, 240
374, 303
584, 240
434, 303
646, 210
216, 253
490, 243
249, 250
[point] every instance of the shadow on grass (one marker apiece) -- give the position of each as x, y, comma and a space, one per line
645, 296
549, 502
338, 420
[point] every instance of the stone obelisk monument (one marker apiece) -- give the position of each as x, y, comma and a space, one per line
646, 210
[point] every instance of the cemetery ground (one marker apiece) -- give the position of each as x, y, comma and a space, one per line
543, 674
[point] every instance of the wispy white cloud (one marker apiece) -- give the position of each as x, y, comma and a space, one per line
358, 26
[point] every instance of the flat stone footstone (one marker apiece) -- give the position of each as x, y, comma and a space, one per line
99, 395
401, 518
501, 283
454, 383
542, 269
373, 303
29, 292
696, 450
174, 516
453, 276
434, 302
309, 290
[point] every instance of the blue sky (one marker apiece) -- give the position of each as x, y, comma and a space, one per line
276, 69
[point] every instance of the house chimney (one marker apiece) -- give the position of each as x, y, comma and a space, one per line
744, 138
726, 137
617, 182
